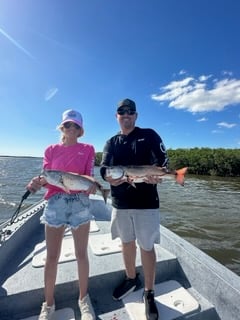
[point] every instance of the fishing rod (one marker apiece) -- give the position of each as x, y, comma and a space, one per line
16, 213
9, 222
24, 197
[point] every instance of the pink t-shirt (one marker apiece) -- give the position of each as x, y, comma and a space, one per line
78, 158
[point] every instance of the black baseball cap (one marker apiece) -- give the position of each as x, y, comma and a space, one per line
127, 103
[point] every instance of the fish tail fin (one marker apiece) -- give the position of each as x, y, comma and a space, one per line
105, 193
180, 175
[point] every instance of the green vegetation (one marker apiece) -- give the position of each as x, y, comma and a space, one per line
202, 161
206, 161
98, 158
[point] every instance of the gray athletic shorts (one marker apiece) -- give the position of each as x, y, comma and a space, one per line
64, 209
142, 225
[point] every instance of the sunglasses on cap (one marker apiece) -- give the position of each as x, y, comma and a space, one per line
130, 112
70, 124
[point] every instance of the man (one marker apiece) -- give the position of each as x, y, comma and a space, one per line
135, 214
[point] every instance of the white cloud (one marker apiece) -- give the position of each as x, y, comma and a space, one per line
216, 131
226, 125
181, 72
229, 73
50, 93
202, 119
204, 78
204, 94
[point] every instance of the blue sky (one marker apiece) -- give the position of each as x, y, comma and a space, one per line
179, 61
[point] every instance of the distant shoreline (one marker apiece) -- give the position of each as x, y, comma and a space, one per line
4, 156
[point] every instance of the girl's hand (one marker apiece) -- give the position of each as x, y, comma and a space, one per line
36, 183
91, 190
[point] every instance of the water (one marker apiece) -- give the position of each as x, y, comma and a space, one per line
205, 211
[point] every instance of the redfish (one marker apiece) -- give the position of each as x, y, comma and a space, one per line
137, 174
69, 181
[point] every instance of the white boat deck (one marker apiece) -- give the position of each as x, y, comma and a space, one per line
21, 290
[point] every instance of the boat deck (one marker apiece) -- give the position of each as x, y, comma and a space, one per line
21, 290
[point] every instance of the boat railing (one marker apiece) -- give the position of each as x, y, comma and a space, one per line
8, 227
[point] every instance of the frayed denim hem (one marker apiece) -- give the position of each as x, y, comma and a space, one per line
66, 225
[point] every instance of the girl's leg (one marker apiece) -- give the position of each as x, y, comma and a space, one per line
53, 243
80, 236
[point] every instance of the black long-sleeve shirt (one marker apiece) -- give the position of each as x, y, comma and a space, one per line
140, 147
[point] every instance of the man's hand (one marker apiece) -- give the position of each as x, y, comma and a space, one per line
152, 179
115, 182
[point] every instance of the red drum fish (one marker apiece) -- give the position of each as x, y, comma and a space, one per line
137, 174
69, 181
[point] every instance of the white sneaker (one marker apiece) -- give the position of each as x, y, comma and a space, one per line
46, 312
87, 312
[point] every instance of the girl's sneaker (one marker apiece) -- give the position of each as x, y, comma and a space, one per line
46, 312
86, 308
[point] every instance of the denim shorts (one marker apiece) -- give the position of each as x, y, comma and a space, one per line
142, 225
67, 210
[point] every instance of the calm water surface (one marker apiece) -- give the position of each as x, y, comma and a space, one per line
205, 211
